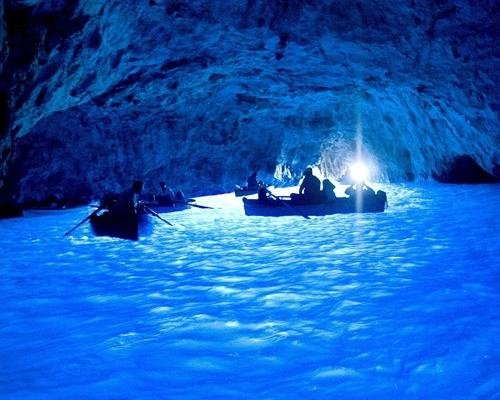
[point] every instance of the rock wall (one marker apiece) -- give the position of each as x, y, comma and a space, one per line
198, 93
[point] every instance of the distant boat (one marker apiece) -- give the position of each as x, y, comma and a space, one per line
10, 210
123, 225
169, 206
166, 208
51, 209
246, 191
276, 207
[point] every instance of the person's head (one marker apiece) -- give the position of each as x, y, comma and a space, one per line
163, 185
308, 171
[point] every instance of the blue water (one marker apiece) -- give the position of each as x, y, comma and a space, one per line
398, 305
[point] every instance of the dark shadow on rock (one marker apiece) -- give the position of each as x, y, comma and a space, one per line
464, 169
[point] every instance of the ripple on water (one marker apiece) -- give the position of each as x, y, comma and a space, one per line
223, 304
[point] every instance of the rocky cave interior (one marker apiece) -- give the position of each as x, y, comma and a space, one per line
94, 94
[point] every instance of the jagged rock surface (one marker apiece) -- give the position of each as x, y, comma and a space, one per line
97, 93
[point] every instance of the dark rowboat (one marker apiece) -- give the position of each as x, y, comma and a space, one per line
119, 225
246, 191
10, 210
167, 206
285, 207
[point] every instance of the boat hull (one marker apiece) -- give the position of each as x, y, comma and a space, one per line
244, 192
118, 226
341, 205
166, 208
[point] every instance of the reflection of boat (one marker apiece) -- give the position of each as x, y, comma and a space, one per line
275, 207
119, 225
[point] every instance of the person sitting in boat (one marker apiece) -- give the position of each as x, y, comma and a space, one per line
136, 192
263, 194
252, 182
179, 197
165, 196
122, 204
108, 201
360, 189
309, 190
328, 190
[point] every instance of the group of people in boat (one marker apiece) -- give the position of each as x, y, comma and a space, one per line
253, 184
130, 201
121, 212
122, 205
313, 191
166, 196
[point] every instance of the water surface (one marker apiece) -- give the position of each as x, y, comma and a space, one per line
401, 304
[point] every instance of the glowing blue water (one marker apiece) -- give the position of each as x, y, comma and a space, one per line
403, 304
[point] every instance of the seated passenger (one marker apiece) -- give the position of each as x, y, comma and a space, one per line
108, 202
309, 190
328, 190
179, 197
252, 182
360, 189
125, 203
166, 195
263, 194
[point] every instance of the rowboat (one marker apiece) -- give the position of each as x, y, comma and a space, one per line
246, 191
10, 210
119, 225
167, 206
279, 206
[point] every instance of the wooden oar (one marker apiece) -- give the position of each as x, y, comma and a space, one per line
154, 213
286, 204
83, 221
192, 205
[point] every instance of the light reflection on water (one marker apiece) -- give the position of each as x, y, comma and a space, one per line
402, 304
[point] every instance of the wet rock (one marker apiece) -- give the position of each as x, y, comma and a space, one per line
200, 92
464, 169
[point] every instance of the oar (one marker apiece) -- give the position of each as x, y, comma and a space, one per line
192, 205
83, 221
155, 214
286, 204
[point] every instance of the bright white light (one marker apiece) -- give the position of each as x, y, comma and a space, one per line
359, 172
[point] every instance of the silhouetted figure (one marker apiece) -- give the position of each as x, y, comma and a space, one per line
263, 194
360, 189
179, 197
309, 190
136, 192
123, 204
120, 214
108, 201
166, 195
252, 182
328, 190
